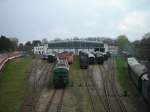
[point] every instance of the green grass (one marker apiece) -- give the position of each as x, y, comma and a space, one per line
13, 81
79, 89
76, 73
122, 72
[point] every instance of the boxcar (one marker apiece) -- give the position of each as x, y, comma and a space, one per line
61, 74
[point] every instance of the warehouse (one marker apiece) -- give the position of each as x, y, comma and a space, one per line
75, 46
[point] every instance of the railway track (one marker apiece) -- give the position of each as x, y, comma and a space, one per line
92, 88
91, 97
105, 88
113, 99
114, 89
37, 82
56, 101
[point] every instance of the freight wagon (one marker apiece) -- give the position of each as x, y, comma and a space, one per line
69, 56
83, 58
140, 76
99, 58
51, 57
91, 58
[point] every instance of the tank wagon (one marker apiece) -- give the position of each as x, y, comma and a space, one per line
140, 77
83, 58
99, 58
61, 74
105, 55
91, 58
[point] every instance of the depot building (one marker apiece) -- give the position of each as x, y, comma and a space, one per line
71, 45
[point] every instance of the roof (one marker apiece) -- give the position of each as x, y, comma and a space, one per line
75, 44
85, 41
138, 68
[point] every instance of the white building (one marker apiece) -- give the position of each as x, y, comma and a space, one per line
40, 49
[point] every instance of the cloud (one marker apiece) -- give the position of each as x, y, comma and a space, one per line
137, 21
37, 19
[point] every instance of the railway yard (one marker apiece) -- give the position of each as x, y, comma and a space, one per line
95, 89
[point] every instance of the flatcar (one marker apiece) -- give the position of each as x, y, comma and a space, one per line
61, 74
140, 77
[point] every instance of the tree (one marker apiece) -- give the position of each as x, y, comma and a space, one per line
14, 42
75, 38
21, 47
36, 42
57, 39
5, 44
144, 47
44, 41
123, 43
28, 46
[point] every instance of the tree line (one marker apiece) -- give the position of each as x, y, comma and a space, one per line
8, 44
138, 48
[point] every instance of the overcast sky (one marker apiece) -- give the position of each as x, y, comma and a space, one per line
38, 19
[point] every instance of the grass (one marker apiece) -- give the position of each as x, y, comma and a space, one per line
78, 89
122, 71
76, 73
13, 81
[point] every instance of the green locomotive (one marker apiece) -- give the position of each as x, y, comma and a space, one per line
61, 74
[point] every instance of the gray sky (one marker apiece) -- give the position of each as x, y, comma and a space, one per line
38, 19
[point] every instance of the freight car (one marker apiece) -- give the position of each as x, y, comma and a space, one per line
69, 56
140, 76
108, 54
83, 58
105, 55
51, 57
61, 74
91, 57
99, 58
